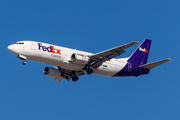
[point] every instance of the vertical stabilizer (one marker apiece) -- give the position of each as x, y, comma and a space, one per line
140, 56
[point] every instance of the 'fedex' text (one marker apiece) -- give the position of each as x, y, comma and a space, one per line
51, 49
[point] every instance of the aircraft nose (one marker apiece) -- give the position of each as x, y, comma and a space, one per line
14, 49
10, 47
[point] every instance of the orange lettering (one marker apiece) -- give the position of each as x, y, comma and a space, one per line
53, 48
58, 51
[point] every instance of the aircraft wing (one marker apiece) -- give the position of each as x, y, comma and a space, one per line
97, 59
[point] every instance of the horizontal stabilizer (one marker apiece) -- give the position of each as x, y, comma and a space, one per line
154, 64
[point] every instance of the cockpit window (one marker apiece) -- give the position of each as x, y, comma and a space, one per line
21, 43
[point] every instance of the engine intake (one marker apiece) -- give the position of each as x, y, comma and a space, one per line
79, 58
52, 72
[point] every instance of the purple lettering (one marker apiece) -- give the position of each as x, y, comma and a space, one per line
40, 45
49, 49
44, 48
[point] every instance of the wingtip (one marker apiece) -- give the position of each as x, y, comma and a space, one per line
169, 59
135, 42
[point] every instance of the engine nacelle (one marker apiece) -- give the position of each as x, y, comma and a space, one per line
79, 58
52, 72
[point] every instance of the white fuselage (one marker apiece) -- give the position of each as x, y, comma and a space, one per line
72, 63
61, 56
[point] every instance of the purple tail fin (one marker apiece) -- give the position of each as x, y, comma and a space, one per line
140, 56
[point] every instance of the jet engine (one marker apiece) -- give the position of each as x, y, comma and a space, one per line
79, 58
52, 72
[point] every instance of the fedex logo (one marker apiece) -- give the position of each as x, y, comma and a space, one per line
51, 49
143, 50
81, 55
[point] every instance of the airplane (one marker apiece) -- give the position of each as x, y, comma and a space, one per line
72, 63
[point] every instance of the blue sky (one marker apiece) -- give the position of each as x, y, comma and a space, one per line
93, 26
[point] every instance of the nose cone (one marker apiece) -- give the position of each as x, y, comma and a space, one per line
12, 48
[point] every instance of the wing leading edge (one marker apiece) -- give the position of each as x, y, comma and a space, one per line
97, 59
